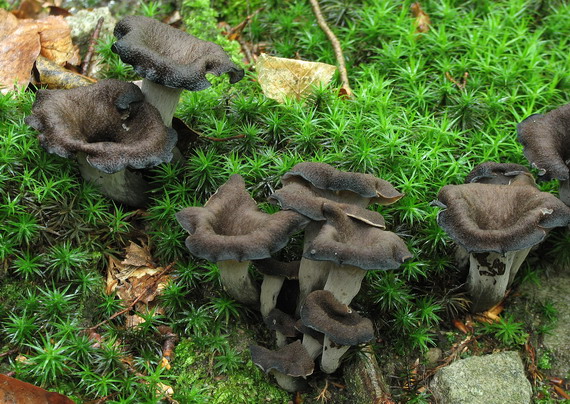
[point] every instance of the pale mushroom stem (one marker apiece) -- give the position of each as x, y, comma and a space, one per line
344, 282
518, 259
238, 283
270, 288
330, 359
564, 192
312, 274
489, 275
312, 345
289, 383
124, 186
163, 98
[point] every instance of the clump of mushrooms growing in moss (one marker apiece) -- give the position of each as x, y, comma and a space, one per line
111, 131
497, 223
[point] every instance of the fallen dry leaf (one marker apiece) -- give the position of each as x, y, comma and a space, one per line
282, 78
54, 76
134, 277
23, 42
19, 48
14, 391
29, 9
422, 18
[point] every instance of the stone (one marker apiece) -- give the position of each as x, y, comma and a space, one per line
364, 380
554, 290
490, 379
83, 24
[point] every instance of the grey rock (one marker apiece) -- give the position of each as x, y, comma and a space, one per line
490, 379
83, 24
554, 289
364, 380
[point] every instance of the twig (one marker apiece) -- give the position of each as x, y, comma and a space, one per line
130, 306
461, 85
10, 352
237, 30
91, 49
336, 46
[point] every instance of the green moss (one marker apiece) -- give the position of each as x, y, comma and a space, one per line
248, 384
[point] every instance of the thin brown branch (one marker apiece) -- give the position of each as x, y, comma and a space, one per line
157, 276
460, 84
91, 49
238, 29
10, 352
336, 46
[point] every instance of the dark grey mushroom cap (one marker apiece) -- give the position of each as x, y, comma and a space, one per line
109, 121
546, 142
292, 359
307, 200
169, 56
273, 267
500, 173
324, 313
299, 326
499, 218
231, 227
350, 242
325, 177
278, 320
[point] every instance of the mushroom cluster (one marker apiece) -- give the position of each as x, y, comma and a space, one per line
496, 218
343, 240
113, 128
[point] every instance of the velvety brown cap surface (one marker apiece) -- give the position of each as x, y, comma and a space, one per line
546, 141
499, 218
169, 56
108, 121
292, 359
277, 320
302, 197
346, 241
231, 227
325, 177
500, 173
324, 313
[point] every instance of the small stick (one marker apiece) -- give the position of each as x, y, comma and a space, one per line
91, 49
10, 352
461, 85
336, 46
235, 31
130, 306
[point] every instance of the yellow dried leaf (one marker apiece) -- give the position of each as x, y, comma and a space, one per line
18, 51
55, 38
54, 76
423, 21
138, 255
282, 78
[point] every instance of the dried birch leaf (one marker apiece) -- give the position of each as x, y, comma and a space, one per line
138, 255
422, 18
55, 37
8, 23
282, 78
18, 51
14, 391
54, 76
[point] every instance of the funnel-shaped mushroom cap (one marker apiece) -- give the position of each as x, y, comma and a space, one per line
169, 56
546, 141
282, 322
300, 196
324, 313
327, 178
231, 227
498, 218
292, 359
108, 121
350, 242
500, 173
